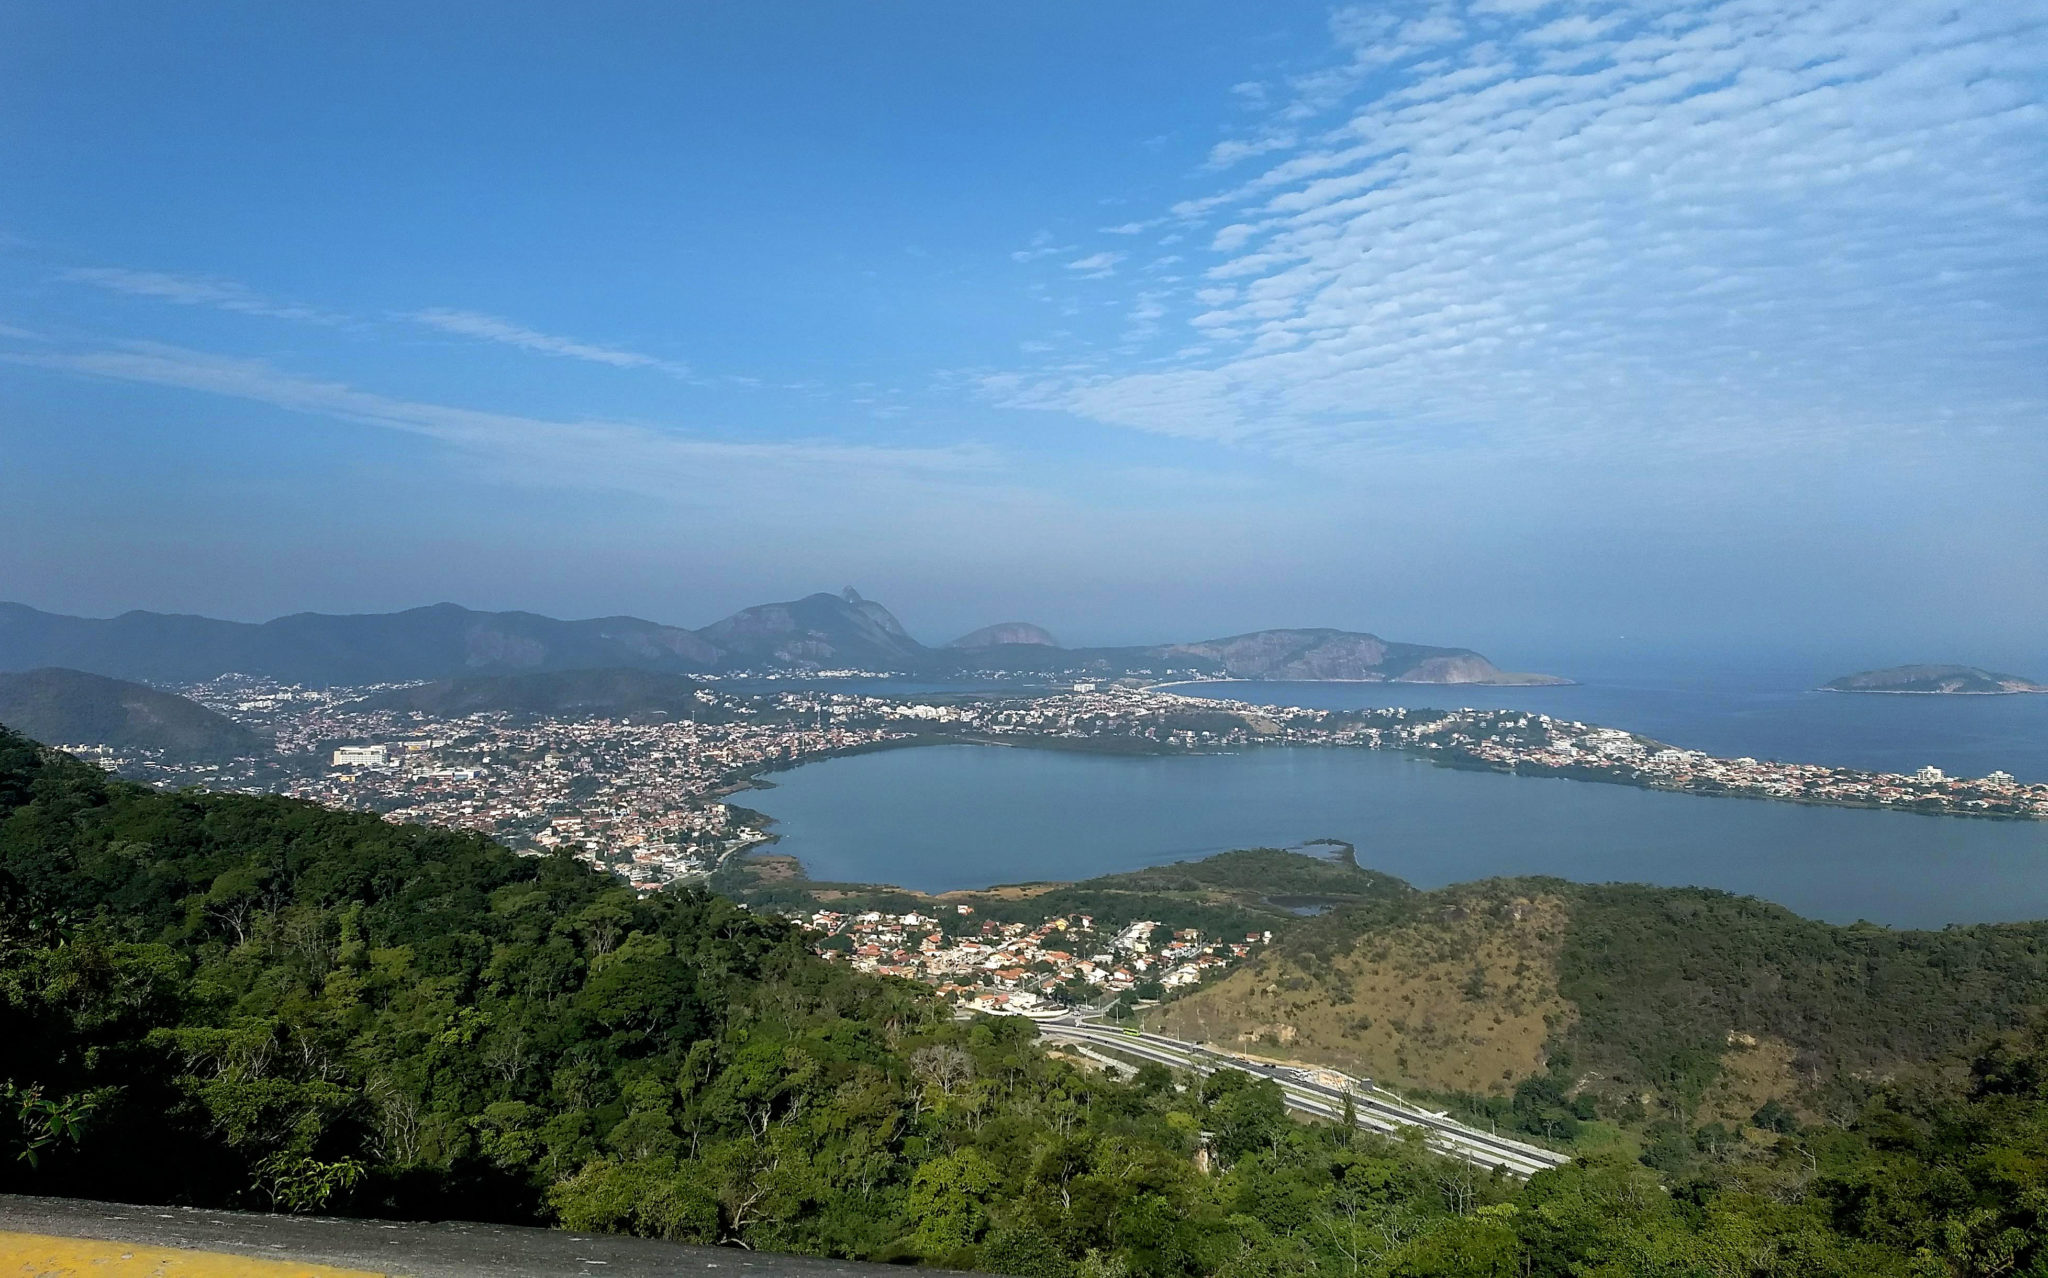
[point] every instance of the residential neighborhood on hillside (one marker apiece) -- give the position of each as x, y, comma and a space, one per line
1027, 969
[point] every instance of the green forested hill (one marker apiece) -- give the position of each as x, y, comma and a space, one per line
88, 709
231, 1000
609, 693
1664, 978
1246, 890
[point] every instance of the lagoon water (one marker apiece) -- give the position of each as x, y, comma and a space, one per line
956, 816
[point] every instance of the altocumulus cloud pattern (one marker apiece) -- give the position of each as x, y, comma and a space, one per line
1741, 226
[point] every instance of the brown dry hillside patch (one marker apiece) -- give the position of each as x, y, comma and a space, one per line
773, 867
1753, 1070
1463, 997
1008, 892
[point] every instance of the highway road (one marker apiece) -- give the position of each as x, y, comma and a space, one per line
1372, 1111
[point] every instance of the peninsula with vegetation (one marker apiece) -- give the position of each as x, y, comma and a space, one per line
1935, 680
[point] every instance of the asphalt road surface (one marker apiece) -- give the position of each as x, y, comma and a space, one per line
1453, 1139
439, 1250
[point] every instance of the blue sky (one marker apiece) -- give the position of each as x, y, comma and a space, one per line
1553, 327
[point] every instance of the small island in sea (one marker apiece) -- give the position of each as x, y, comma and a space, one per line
1934, 680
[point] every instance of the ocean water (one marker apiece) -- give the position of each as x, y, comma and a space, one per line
944, 817
1762, 717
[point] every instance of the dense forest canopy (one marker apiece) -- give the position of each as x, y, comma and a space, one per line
230, 1000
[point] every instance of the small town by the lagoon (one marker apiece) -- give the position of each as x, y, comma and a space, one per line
653, 799
661, 799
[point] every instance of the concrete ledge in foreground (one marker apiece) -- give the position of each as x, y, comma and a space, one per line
189, 1242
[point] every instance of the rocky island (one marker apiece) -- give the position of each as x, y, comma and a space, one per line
1934, 680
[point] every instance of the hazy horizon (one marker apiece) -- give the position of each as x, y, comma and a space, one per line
1573, 332
1619, 657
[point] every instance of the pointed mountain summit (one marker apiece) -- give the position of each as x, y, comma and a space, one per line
817, 630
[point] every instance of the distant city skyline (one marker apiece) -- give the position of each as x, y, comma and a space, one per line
1541, 326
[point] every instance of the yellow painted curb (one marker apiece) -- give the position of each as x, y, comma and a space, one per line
41, 1256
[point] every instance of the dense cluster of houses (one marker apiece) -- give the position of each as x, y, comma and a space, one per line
1026, 968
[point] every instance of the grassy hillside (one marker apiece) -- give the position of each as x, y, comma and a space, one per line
1455, 991
1637, 1003
77, 708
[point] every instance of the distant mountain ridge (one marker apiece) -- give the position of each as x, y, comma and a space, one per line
439, 641
72, 707
1004, 633
603, 693
817, 632
1938, 679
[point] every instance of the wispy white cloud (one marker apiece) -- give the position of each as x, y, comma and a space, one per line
1043, 244
1705, 225
1096, 265
198, 290
491, 328
1142, 324
1236, 150
607, 455
1577, 28
229, 295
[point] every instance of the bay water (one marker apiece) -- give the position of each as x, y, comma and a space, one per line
1764, 717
